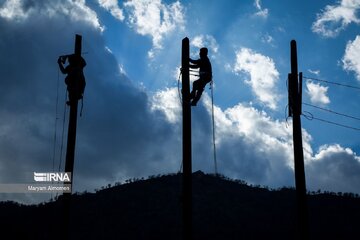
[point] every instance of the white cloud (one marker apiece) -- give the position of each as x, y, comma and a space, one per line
12, 9
205, 41
168, 101
258, 149
317, 93
108, 49
351, 59
154, 19
113, 8
20, 10
334, 168
122, 69
263, 75
108, 138
334, 19
267, 39
315, 72
250, 144
261, 12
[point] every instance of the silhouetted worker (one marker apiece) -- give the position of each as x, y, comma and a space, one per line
205, 73
75, 79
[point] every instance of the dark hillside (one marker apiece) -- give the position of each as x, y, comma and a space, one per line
151, 209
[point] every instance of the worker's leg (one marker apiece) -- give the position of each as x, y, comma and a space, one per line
195, 88
197, 97
200, 88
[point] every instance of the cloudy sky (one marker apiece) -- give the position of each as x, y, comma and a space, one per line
131, 123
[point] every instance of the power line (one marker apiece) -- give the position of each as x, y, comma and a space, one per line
309, 116
330, 111
333, 123
334, 83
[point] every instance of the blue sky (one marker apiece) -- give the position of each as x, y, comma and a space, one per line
132, 117
266, 28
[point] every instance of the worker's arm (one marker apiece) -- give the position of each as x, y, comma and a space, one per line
83, 63
62, 69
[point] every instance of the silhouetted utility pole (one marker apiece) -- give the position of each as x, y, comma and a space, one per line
70, 149
187, 168
295, 99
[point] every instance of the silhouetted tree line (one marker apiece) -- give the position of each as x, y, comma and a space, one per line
151, 209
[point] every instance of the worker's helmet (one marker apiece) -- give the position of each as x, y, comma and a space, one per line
204, 51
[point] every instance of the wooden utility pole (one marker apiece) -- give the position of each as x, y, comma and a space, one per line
187, 168
295, 96
71, 138
70, 150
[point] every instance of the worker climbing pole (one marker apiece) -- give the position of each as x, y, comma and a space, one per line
190, 99
187, 165
205, 75
203, 64
75, 82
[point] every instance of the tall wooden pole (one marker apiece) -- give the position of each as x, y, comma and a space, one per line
187, 168
70, 150
300, 182
71, 138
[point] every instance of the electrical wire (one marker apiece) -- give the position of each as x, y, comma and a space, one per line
330, 111
334, 123
334, 83
310, 116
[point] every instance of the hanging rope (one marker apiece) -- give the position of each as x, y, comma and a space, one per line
63, 132
56, 118
82, 106
180, 98
55, 127
178, 86
213, 125
181, 166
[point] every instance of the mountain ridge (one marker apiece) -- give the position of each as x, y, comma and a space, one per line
152, 209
